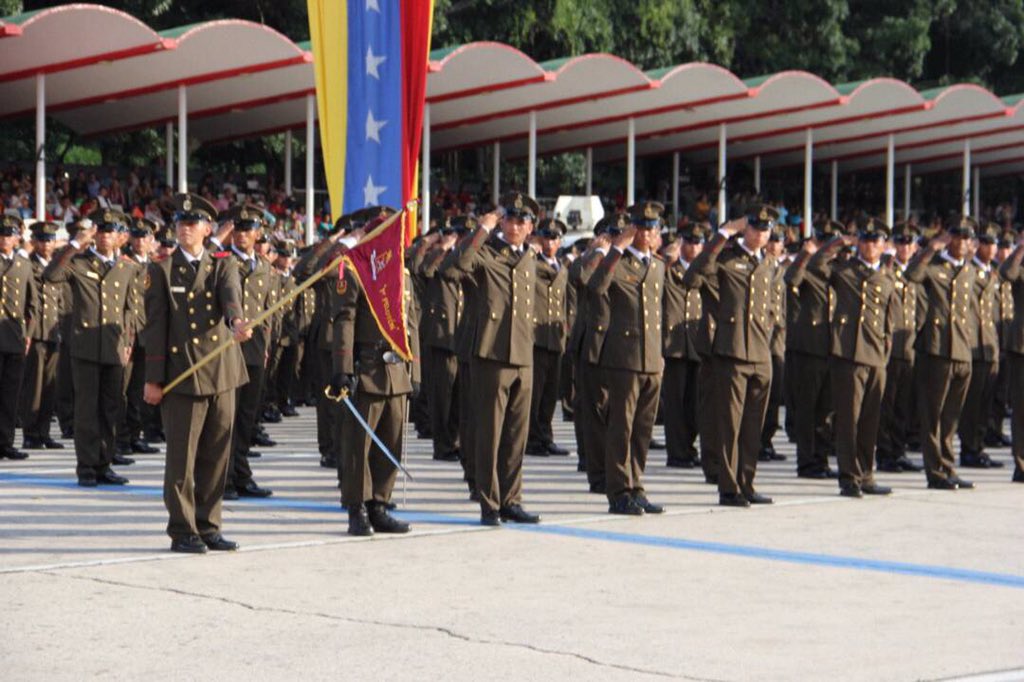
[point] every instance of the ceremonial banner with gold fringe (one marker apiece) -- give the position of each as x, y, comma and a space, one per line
370, 58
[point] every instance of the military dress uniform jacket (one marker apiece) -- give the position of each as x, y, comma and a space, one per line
744, 320
809, 333
359, 346
443, 304
550, 308
578, 275
947, 330
631, 339
778, 308
48, 304
862, 321
1004, 315
257, 284
682, 314
987, 287
187, 317
904, 312
18, 304
1013, 273
504, 328
102, 323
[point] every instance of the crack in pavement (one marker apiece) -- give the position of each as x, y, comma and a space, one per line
448, 632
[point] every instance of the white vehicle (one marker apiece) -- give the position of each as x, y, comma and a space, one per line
580, 213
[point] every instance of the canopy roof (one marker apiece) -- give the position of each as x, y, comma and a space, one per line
107, 72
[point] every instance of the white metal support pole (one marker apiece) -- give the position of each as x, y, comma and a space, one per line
808, 170
907, 184
40, 146
631, 163
757, 173
496, 174
965, 195
675, 188
425, 172
182, 139
590, 171
169, 153
288, 163
723, 214
310, 149
833, 204
890, 179
976, 192
531, 171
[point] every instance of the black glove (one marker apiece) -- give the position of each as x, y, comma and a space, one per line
340, 382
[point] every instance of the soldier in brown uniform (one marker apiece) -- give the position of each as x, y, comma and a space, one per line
549, 339
18, 301
102, 335
985, 354
191, 299
626, 347
286, 355
1013, 273
861, 338
742, 371
382, 383
255, 280
897, 401
442, 311
776, 398
65, 407
944, 347
995, 435
38, 392
503, 270
807, 341
681, 389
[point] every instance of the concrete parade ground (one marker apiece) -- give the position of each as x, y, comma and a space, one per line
923, 585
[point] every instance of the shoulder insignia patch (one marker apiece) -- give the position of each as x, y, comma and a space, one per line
221, 254
342, 285
147, 282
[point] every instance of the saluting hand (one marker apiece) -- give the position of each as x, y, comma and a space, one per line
489, 221
624, 240
224, 231
735, 226
940, 241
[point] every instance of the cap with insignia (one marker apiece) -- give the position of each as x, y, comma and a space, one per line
45, 231
10, 225
963, 226
245, 218
777, 234
988, 233
191, 208
165, 237
519, 205
1007, 238
762, 217
646, 215
694, 233
109, 220
142, 227
551, 228
826, 228
285, 247
870, 228
458, 224
904, 233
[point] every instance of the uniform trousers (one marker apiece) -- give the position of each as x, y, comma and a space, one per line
1016, 379
65, 405
247, 406
591, 420
443, 401
502, 398
740, 400
707, 424
12, 368
857, 394
812, 403
467, 444
630, 410
38, 390
977, 405
366, 473
941, 389
546, 369
198, 431
328, 412
99, 407
680, 392
897, 410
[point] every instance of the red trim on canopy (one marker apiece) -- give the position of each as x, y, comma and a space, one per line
127, 53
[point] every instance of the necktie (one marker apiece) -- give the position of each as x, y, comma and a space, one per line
646, 260
194, 264
252, 265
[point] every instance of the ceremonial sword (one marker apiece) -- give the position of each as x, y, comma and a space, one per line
342, 397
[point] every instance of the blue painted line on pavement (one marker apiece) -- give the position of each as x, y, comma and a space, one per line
746, 551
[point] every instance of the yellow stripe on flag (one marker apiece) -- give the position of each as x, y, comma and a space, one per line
328, 30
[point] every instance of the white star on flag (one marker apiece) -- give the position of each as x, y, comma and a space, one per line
373, 127
372, 4
371, 192
372, 62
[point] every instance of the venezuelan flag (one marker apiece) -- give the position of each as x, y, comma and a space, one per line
370, 60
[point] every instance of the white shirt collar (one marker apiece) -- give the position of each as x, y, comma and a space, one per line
243, 255
875, 266
96, 253
515, 249
949, 259
190, 258
982, 266
639, 254
759, 255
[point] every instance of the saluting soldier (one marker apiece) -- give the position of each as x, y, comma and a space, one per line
38, 393
503, 270
102, 335
741, 274
944, 347
381, 383
193, 304
1000, 408
897, 401
255, 280
627, 355
681, 389
1013, 273
442, 310
65, 408
18, 301
985, 354
549, 339
776, 397
807, 341
859, 352
286, 356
